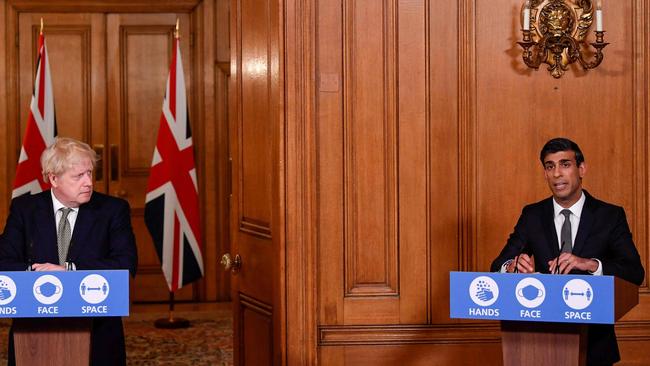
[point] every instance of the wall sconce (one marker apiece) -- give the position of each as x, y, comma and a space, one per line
554, 31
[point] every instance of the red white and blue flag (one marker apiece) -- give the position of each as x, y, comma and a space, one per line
172, 202
40, 131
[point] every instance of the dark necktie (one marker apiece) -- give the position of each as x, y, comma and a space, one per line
64, 234
565, 234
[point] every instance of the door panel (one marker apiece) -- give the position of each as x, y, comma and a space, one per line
255, 147
374, 177
76, 48
139, 48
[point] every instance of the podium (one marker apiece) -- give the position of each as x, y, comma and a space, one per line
544, 317
53, 312
52, 341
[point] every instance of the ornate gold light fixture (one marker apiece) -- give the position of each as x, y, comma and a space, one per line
554, 31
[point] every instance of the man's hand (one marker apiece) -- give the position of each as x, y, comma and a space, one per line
568, 262
524, 263
47, 267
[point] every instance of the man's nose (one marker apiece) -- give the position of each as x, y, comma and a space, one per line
88, 179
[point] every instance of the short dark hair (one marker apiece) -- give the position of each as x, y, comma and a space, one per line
561, 144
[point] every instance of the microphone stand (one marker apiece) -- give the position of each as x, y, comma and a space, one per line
557, 262
517, 261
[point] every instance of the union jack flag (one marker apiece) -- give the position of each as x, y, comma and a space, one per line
172, 201
40, 131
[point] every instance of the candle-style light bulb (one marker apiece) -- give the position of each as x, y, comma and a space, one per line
599, 16
527, 15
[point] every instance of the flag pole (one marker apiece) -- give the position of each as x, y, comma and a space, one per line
41, 25
172, 322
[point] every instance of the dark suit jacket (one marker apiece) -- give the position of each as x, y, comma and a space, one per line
603, 234
102, 239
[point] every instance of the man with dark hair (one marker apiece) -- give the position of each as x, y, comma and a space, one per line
573, 232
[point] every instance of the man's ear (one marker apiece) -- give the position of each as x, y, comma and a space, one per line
52, 180
582, 169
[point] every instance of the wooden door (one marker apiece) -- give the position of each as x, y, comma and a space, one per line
139, 49
255, 134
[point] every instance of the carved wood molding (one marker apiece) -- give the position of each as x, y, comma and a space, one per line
256, 305
443, 334
467, 134
641, 135
255, 227
408, 334
104, 6
633, 331
300, 184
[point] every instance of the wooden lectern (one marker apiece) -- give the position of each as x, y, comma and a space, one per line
539, 343
52, 341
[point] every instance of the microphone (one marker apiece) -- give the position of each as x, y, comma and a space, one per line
557, 262
521, 250
69, 248
30, 261
68, 261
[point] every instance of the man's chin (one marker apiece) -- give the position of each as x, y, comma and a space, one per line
85, 197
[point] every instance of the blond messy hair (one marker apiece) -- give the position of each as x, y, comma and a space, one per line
63, 154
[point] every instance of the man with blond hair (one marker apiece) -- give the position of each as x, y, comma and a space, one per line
71, 227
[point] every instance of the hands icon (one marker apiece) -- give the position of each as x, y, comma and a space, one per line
5, 293
484, 294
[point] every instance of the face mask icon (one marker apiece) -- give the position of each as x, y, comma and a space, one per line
48, 289
530, 292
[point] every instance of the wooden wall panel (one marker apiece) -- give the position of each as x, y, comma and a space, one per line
141, 89
372, 161
412, 158
444, 152
471, 119
369, 142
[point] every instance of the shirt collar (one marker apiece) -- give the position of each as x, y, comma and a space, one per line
58, 205
576, 209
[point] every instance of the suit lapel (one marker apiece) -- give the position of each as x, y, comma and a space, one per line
549, 228
45, 239
82, 227
586, 222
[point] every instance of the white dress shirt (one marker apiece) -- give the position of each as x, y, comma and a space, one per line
576, 212
72, 216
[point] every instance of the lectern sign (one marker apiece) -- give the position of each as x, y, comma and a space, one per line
532, 297
64, 294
